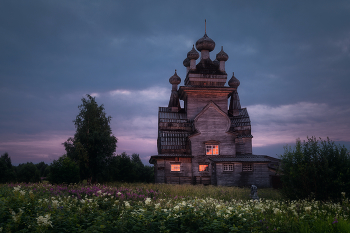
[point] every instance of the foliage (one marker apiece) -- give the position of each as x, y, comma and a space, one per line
27, 172
93, 144
7, 173
124, 168
97, 208
42, 167
316, 169
64, 170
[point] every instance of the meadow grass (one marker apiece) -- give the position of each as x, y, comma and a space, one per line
122, 207
202, 191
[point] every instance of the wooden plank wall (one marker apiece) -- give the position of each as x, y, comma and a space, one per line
259, 176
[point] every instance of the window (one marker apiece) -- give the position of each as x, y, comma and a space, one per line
175, 167
228, 167
212, 149
247, 167
203, 168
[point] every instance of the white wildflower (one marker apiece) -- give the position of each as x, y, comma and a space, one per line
148, 201
276, 211
55, 204
127, 205
44, 220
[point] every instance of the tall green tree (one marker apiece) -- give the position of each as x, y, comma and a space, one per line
315, 169
93, 143
7, 173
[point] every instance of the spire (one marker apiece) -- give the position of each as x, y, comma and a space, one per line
235, 104
174, 103
205, 26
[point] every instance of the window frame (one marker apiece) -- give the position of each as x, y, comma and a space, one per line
175, 165
228, 165
204, 165
212, 148
246, 165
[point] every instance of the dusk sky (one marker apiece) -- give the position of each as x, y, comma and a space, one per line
291, 57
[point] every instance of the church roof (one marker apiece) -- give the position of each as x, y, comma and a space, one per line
242, 119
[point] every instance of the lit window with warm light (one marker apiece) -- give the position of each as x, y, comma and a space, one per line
203, 168
212, 149
175, 167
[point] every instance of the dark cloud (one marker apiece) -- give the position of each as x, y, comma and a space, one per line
52, 53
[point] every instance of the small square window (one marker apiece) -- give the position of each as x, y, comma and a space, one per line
203, 168
212, 149
228, 167
175, 167
247, 167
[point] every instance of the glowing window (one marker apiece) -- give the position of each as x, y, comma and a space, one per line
228, 167
203, 168
247, 167
175, 167
212, 149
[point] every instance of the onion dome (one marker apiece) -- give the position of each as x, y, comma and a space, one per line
175, 79
234, 82
186, 62
222, 56
216, 62
205, 43
193, 54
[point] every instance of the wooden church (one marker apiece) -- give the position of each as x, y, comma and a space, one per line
209, 141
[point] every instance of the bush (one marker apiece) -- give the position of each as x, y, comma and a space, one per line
316, 169
64, 170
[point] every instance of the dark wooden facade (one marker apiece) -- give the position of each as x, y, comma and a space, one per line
209, 140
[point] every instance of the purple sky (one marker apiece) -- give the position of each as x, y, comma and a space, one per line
291, 57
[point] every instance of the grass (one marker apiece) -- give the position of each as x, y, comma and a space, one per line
201, 191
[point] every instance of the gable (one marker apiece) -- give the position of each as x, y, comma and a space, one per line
212, 120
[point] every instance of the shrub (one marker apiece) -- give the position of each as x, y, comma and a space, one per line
315, 169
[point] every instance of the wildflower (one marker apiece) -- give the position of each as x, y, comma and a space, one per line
55, 204
44, 221
119, 193
22, 192
127, 205
15, 217
276, 211
15, 189
148, 201
308, 209
335, 221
